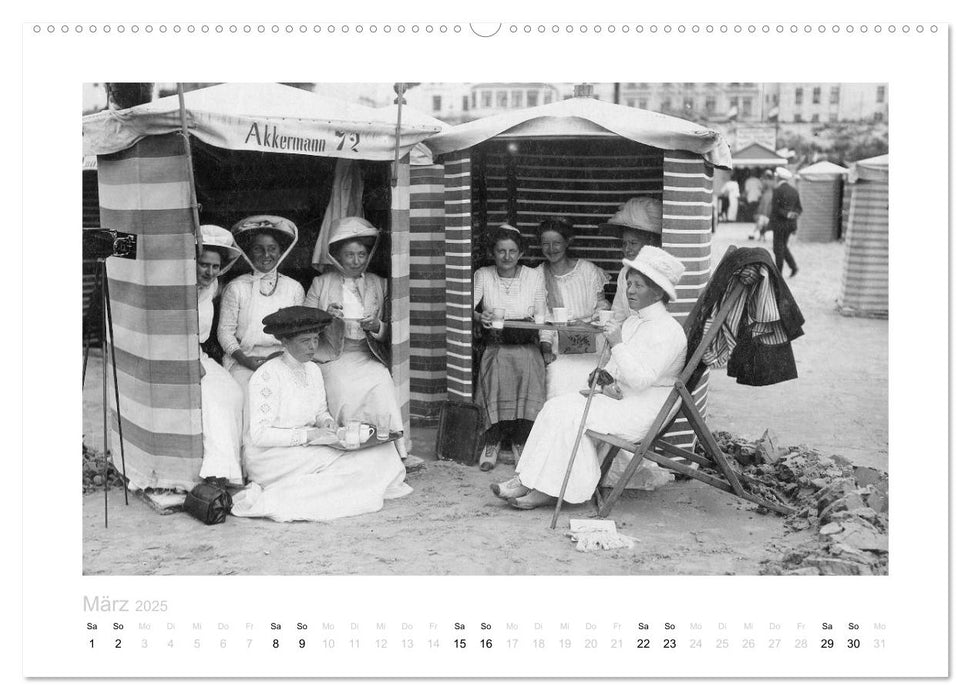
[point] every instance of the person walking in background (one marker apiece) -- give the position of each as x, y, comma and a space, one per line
753, 193
730, 190
764, 206
785, 210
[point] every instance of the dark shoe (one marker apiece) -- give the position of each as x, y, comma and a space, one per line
793, 272
413, 464
533, 499
487, 460
513, 488
517, 451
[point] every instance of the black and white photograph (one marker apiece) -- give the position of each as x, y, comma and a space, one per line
489, 328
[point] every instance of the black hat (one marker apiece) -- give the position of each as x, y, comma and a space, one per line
294, 320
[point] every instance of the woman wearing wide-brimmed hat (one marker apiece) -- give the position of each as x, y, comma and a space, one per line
647, 353
222, 399
291, 478
266, 241
637, 224
353, 353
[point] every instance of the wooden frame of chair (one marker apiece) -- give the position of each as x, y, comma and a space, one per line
653, 448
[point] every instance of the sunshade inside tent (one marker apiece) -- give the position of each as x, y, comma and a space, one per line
865, 289
580, 158
256, 148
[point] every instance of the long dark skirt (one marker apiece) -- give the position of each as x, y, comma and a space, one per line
512, 383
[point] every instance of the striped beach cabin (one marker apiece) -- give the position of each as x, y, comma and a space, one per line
865, 290
579, 158
255, 148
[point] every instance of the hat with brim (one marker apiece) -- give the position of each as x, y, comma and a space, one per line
218, 239
283, 230
642, 215
294, 320
783, 173
660, 267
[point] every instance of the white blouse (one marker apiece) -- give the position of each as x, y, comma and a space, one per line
286, 400
245, 303
652, 352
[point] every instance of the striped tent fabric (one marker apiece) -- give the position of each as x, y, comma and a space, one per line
145, 190
428, 383
399, 288
686, 234
458, 275
865, 288
822, 209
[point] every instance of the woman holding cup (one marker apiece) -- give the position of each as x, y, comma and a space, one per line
574, 289
294, 474
511, 388
353, 353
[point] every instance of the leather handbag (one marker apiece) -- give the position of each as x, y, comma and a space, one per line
208, 503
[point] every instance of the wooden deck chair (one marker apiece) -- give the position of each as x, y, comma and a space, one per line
680, 401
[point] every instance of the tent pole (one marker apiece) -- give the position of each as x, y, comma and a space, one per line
400, 99
193, 203
104, 382
114, 374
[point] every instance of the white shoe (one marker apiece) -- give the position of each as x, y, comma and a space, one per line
513, 488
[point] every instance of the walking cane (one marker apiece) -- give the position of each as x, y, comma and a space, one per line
576, 443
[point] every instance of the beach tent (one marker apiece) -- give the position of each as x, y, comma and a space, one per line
579, 158
255, 148
821, 193
755, 155
865, 289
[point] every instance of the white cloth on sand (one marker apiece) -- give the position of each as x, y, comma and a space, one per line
291, 480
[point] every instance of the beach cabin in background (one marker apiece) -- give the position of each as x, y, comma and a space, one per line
579, 158
865, 290
255, 148
821, 193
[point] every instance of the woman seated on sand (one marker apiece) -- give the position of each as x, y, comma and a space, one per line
290, 478
646, 356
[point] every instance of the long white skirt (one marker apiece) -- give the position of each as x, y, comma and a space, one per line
568, 374
222, 423
315, 482
545, 456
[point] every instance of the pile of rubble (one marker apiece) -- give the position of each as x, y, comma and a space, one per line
845, 506
93, 471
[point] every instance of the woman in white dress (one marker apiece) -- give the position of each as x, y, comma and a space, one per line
293, 475
511, 387
353, 353
265, 241
647, 354
578, 286
222, 399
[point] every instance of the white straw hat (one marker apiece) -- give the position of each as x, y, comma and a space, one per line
782, 173
660, 267
219, 239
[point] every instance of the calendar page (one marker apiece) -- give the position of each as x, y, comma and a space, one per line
293, 242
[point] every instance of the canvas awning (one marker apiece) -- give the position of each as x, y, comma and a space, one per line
755, 155
266, 117
821, 171
585, 117
876, 169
